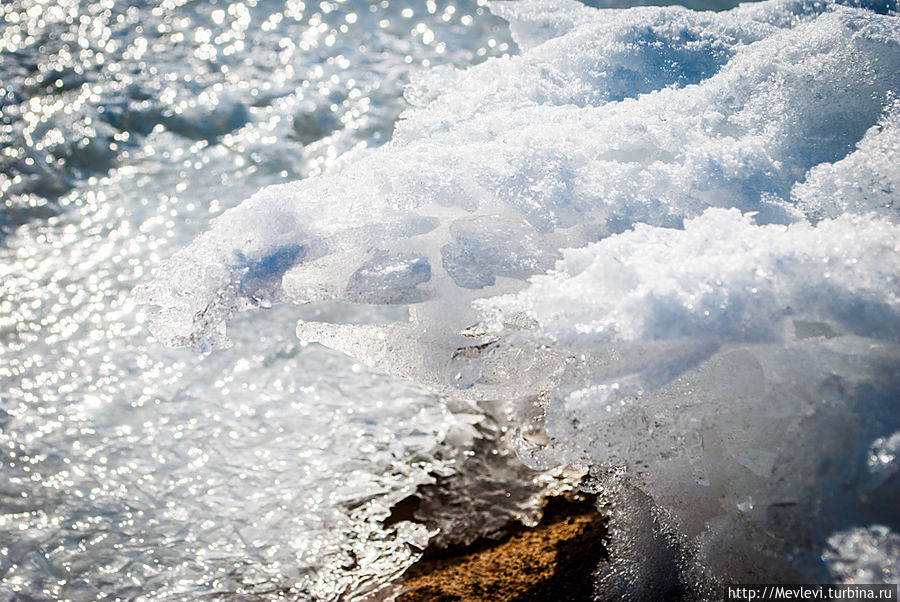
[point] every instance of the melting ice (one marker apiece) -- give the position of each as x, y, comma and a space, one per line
128, 470
675, 231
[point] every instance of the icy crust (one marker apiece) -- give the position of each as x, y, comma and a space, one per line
865, 180
736, 372
533, 150
713, 200
720, 279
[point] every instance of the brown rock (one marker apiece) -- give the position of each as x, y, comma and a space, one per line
553, 561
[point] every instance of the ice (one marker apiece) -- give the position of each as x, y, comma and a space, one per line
517, 154
672, 232
133, 471
718, 280
866, 180
690, 370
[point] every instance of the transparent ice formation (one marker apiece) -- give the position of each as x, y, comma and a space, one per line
674, 232
132, 471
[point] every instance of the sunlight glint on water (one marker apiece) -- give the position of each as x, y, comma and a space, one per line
132, 470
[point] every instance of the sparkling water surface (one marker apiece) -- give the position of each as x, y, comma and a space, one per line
131, 471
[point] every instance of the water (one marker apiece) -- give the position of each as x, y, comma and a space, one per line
133, 471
